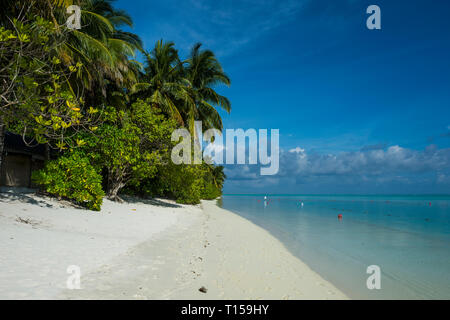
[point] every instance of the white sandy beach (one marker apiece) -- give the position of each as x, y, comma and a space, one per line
145, 249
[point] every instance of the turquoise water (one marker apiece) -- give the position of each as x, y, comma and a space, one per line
408, 237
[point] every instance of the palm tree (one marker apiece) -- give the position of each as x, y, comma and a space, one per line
185, 89
204, 72
218, 175
101, 46
163, 81
101, 50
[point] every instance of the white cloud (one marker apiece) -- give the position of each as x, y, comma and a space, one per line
297, 150
373, 169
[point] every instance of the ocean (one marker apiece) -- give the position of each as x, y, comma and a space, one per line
407, 237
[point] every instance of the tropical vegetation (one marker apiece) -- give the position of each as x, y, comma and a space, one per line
105, 118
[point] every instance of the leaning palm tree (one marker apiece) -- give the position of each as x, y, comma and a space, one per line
100, 47
100, 50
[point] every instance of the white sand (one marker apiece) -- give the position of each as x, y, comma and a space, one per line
151, 250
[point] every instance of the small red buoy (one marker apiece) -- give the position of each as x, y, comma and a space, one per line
339, 216
429, 204
259, 201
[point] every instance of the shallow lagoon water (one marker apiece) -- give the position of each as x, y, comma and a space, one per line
408, 237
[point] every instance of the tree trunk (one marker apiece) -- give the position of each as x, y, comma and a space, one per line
114, 186
47, 152
114, 191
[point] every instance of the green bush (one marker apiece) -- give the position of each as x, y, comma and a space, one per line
180, 182
72, 177
210, 191
189, 188
213, 178
186, 184
129, 146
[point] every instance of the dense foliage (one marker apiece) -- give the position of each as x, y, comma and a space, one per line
36, 99
107, 118
129, 145
184, 183
72, 177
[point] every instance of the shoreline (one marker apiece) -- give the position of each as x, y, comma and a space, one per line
253, 264
146, 250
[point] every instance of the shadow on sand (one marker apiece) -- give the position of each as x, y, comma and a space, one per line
150, 201
23, 197
39, 199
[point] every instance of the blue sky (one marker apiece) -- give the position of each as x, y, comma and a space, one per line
367, 111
